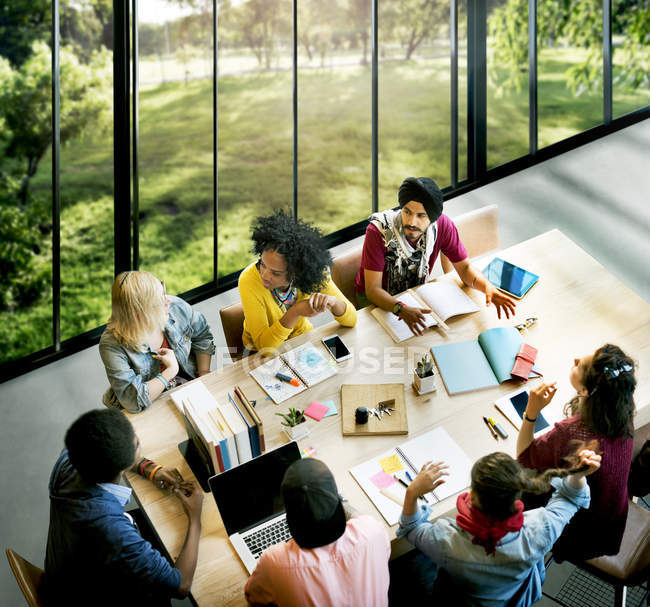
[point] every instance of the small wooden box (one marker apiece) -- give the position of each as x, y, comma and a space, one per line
369, 395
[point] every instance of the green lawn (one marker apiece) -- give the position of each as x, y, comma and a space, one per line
255, 168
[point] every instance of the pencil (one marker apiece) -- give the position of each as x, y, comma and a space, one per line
492, 430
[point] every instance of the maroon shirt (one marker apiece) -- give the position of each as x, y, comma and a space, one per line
374, 250
599, 529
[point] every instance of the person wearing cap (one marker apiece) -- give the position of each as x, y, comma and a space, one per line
334, 558
401, 247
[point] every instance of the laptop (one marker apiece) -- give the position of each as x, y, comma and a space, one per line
251, 505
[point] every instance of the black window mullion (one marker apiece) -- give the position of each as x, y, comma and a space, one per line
56, 184
121, 137
294, 108
607, 61
135, 122
374, 143
453, 49
532, 77
215, 149
476, 89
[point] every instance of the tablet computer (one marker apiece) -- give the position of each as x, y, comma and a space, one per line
510, 278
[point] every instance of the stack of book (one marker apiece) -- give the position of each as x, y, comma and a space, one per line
224, 434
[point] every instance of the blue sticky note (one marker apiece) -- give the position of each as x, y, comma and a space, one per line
332, 407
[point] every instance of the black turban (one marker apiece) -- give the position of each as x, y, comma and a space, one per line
424, 190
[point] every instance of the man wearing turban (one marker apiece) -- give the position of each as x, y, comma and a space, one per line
401, 247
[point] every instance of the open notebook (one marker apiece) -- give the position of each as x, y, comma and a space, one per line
443, 297
376, 476
307, 364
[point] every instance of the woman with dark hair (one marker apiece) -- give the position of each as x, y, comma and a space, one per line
493, 552
602, 410
289, 283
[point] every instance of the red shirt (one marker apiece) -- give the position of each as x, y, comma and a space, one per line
599, 529
374, 250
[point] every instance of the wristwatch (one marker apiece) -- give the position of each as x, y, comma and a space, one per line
397, 308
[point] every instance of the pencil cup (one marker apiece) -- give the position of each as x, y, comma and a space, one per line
296, 432
424, 385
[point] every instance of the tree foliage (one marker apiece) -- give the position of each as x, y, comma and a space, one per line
576, 23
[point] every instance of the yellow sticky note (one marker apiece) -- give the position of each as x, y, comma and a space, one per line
391, 464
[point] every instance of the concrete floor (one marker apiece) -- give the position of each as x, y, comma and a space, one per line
598, 195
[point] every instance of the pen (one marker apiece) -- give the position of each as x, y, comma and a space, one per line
288, 379
408, 475
397, 478
492, 431
500, 431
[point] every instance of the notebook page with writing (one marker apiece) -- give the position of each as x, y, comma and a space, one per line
446, 299
438, 446
278, 390
309, 364
396, 327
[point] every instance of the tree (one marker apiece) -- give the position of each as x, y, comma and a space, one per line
21, 23
576, 23
25, 104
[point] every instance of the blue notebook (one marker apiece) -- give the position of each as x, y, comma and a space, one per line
479, 363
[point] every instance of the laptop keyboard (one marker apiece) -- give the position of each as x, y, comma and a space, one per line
261, 539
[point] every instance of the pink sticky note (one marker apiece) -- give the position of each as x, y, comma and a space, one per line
381, 480
316, 410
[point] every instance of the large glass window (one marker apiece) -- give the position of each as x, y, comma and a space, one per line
334, 116
631, 56
507, 78
255, 124
25, 178
570, 68
86, 165
175, 158
414, 94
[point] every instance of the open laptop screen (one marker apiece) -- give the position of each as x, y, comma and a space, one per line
250, 493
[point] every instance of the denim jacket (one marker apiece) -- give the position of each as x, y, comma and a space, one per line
514, 575
128, 370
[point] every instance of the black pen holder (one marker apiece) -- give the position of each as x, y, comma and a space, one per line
361, 415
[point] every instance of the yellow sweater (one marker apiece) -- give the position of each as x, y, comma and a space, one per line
262, 327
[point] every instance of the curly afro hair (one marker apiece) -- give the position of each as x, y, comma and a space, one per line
301, 245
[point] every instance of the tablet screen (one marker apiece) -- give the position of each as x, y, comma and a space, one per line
509, 277
519, 402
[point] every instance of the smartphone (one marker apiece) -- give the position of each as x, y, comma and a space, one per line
336, 348
510, 278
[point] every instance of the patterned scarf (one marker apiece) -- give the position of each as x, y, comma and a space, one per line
406, 266
486, 530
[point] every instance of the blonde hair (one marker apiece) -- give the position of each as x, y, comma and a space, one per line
138, 307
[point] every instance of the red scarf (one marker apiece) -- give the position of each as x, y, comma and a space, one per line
486, 530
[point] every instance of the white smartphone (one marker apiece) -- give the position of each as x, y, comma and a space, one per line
336, 348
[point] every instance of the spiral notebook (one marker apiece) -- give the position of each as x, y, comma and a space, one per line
305, 363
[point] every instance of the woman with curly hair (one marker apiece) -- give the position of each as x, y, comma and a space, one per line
492, 553
288, 284
602, 410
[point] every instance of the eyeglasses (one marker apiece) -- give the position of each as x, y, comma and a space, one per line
613, 372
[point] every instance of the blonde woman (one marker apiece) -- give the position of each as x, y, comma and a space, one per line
152, 342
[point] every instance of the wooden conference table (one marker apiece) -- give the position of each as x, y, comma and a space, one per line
580, 306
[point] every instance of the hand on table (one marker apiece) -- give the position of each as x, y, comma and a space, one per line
428, 478
167, 478
191, 496
414, 318
168, 360
500, 300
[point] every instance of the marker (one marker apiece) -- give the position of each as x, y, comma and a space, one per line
408, 475
397, 478
500, 431
290, 380
492, 431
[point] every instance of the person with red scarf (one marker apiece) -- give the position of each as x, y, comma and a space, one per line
493, 552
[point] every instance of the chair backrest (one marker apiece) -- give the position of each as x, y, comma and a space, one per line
28, 576
478, 231
344, 270
232, 320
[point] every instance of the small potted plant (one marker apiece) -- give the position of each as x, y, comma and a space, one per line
294, 424
423, 375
